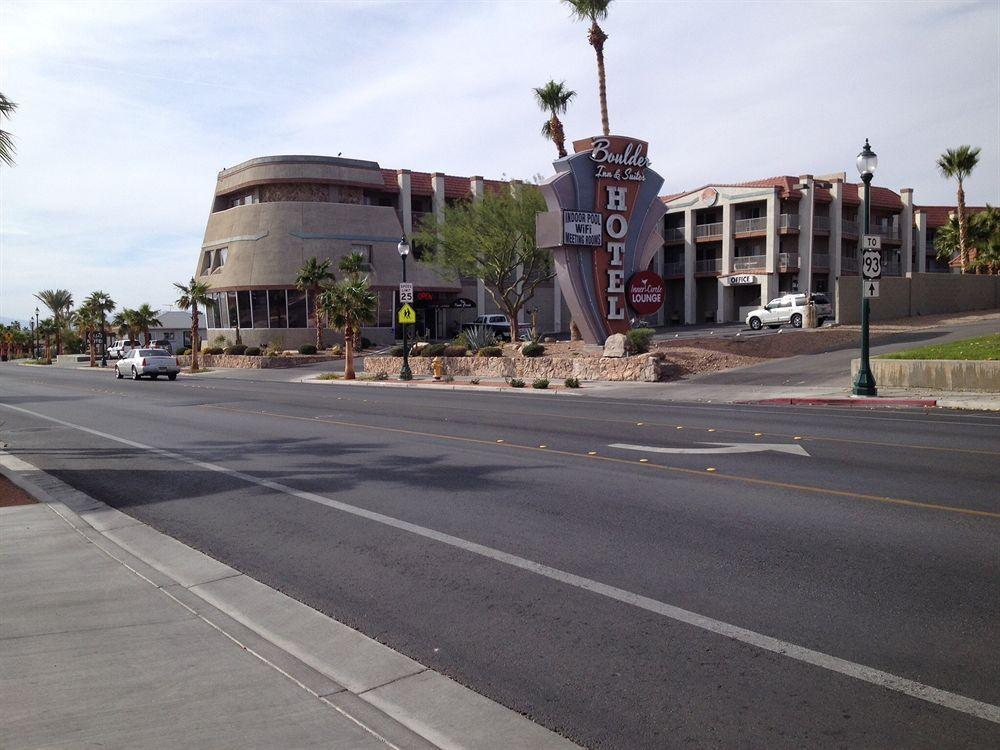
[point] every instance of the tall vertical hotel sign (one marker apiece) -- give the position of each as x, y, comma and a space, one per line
602, 225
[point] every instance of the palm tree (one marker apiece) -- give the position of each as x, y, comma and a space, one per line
554, 98
192, 294
349, 304
313, 277
982, 238
60, 302
104, 305
958, 163
46, 328
124, 323
353, 265
87, 320
594, 11
7, 149
146, 318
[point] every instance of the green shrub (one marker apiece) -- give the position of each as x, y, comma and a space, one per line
532, 350
540, 383
236, 349
572, 382
474, 381
212, 350
186, 350
380, 376
396, 351
490, 351
476, 338
449, 378
335, 350
433, 350
455, 350
252, 351
516, 383
307, 349
640, 338
329, 376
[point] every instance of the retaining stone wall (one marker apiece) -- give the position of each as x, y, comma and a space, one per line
942, 374
644, 368
239, 361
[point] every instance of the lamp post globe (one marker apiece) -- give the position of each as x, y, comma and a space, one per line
864, 384
404, 373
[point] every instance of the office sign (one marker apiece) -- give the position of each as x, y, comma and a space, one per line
745, 279
609, 185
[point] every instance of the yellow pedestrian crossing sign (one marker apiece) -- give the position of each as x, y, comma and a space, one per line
407, 314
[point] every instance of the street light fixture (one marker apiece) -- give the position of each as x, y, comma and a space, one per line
864, 384
35, 344
405, 373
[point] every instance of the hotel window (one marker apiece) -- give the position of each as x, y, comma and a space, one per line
384, 315
276, 302
206, 263
220, 258
232, 321
297, 309
258, 303
223, 309
246, 319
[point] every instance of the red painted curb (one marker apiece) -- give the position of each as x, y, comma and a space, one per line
844, 402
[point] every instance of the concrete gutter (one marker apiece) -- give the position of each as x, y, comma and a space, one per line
398, 699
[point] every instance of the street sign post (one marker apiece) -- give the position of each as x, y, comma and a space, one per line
869, 289
406, 292
407, 314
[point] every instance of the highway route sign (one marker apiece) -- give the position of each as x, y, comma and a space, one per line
871, 242
869, 289
406, 292
407, 314
871, 264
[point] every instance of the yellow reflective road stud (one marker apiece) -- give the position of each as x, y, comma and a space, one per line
407, 314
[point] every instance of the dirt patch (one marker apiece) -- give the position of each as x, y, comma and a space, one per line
682, 361
11, 494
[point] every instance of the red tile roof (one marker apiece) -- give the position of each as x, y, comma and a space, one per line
882, 198
937, 216
390, 183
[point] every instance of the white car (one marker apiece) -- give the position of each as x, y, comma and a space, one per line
789, 309
147, 362
121, 348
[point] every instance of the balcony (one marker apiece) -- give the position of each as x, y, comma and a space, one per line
673, 234
708, 231
788, 222
788, 261
708, 265
750, 226
849, 265
821, 261
675, 268
750, 263
886, 233
821, 223
850, 229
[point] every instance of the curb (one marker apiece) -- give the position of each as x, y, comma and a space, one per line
864, 401
404, 703
427, 386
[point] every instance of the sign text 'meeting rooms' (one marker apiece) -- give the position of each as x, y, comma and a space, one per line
582, 228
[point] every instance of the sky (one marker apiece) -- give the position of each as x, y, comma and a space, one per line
128, 110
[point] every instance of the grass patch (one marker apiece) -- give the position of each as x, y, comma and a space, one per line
329, 376
981, 347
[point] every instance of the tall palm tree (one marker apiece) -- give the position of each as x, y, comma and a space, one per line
594, 11
146, 318
349, 304
124, 324
352, 266
7, 149
104, 305
554, 98
982, 239
192, 294
87, 320
313, 277
46, 329
958, 163
60, 302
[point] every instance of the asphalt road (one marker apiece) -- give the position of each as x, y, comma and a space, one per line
625, 598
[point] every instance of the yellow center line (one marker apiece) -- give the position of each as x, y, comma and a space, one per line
628, 462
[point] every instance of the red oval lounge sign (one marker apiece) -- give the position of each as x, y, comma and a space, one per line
645, 292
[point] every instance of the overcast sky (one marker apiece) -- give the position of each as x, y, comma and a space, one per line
128, 110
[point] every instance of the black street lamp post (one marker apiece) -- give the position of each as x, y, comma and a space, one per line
405, 373
104, 341
34, 348
35, 353
864, 384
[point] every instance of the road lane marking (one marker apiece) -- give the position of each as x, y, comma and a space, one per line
862, 672
795, 450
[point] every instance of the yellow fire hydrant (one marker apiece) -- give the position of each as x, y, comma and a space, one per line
438, 367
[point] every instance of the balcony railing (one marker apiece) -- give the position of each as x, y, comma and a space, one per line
820, 260
708, 265
821, 223
788, 261
708, 230
849, 264
750, 263
673, 234
747, 226
886, 233
788, 221
850, 229
673, 269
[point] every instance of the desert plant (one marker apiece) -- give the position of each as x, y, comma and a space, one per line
474, 381
213, 350
433, 350
639, 339
315, 276
532, 350
396, 351
380, 376
572, 382
540, 383
454, 350
192, 294
235, 349
516, 383
449, 378
252, 351
477, 337
335, 350
185, 351
307, 349
329, 376
350, 304
220, 340
490, 351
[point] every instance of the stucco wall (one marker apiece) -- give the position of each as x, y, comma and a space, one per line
918, 294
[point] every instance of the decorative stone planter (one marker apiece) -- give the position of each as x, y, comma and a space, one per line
644, 368
241, 361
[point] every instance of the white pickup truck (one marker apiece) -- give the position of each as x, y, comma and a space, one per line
121, 347
789, 309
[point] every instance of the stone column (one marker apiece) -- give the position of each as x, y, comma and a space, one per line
772, 244
724, 296
690, 250
405, 201
921, 220
906, 230
806, 204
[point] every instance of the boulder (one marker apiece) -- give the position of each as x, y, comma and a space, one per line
616, 345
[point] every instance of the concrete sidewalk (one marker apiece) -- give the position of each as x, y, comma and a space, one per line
114, 635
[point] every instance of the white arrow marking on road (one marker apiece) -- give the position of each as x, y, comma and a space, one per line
793, 448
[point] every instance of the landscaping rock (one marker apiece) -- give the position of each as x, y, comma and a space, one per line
616, 345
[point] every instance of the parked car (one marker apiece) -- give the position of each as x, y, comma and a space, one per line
499, 324
139, 363
121, 347
789, 309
